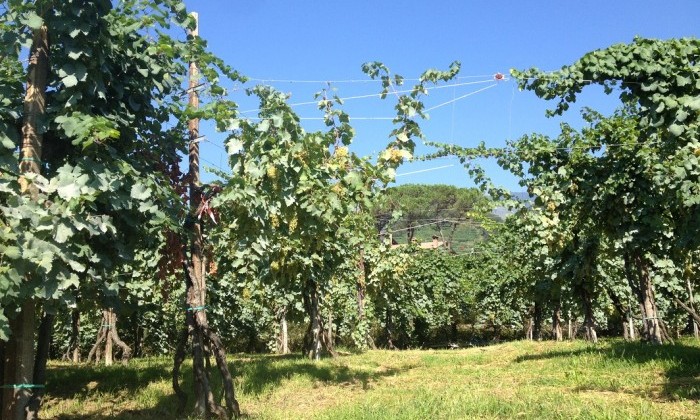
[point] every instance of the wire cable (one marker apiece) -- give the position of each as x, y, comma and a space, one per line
460, 97
339, 81
377, 95
424, 170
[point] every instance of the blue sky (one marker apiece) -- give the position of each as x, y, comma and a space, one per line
274, 41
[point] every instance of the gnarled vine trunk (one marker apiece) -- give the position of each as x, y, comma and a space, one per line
109, 336
588, 318
18, 369
317, 338
283, 336
197, 328
42, 355
557, 333
528, 327
389, 326
73, 350
625, 315
361, 289
569, 327
637, 269
537, 322
695, 326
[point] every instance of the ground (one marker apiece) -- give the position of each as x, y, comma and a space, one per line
522, 379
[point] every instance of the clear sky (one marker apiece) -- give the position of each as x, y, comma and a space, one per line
275, 42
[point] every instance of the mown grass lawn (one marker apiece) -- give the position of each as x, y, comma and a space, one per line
538, 380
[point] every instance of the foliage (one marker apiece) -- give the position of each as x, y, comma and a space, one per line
441, 209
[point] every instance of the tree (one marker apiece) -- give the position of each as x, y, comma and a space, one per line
285, 204
638, 167
443, 208
113, 79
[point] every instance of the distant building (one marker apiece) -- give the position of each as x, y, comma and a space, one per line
434, 244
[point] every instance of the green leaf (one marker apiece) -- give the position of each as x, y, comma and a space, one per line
234, 146
70, 80
7, 142
11, 252
263, 126
63, 232
4, 328
76, 266
676, 129
34, 21
140, 192
68, 191
74, 55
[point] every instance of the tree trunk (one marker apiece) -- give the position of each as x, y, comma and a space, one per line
196, 287
19, 351
2, 373
641, 285
625, 315
96, 349
138, 333
180, 354
314, 314
106, 323
529, 324
42, 355
589, 320
73, 350
198, 330
556, 322
630, 326
361, 287
329, 330
691, 305
691, 312
537, 322
108, 334
233, 408
126, 350
283, 337
316, 338
389, 325
19, 364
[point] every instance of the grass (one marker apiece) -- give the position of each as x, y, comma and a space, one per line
526, 380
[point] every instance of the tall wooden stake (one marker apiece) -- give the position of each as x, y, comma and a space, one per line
194, 290
18, 371
203, 338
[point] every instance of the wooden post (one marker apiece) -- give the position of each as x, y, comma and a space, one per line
195, 292
19, 352
194, 177
109, 344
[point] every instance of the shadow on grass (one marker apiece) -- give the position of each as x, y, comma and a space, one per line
681, 361
112, 392
263, 373
109, 392
66, 381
